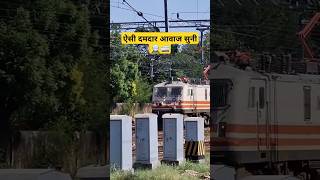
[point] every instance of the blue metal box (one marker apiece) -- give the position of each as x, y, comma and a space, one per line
173, 145
146, 140
121, 142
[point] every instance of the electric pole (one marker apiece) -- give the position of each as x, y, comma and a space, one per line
166, 16
151, 73
167, 30
170, 70
201, 43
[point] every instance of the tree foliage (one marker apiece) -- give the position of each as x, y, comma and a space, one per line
263, 27
50, 68
126, 79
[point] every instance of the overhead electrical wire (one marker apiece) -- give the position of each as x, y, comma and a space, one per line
139, 13
186, 12
135, 11
129, 10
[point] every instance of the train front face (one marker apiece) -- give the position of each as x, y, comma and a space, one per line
237, 120
226, 97
221, 116
167, 98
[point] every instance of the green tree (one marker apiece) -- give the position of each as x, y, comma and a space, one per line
23, 78
51, 69
266, 27
185, 64
124, 68
143, 91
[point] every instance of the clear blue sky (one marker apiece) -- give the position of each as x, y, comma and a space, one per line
154, 10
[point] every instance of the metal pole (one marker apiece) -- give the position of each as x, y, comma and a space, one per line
166, 16
201, 45
167, 30
151, 73
170, 70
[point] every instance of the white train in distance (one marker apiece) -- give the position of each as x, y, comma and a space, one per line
183, 97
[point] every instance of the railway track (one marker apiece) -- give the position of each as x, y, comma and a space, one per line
160, 142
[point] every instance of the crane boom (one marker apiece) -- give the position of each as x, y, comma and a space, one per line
304, 34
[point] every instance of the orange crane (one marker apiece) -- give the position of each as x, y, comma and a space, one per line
206, 72
304, 34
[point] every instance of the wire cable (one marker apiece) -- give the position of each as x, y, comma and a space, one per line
139, 13
135, 11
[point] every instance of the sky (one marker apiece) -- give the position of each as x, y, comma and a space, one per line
153, 10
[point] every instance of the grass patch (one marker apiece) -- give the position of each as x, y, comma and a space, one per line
199, 167
166, 172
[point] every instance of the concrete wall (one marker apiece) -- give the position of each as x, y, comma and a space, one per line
122, 108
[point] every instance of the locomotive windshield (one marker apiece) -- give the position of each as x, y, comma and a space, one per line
161, 92
220, 90
176, 91
171, 91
